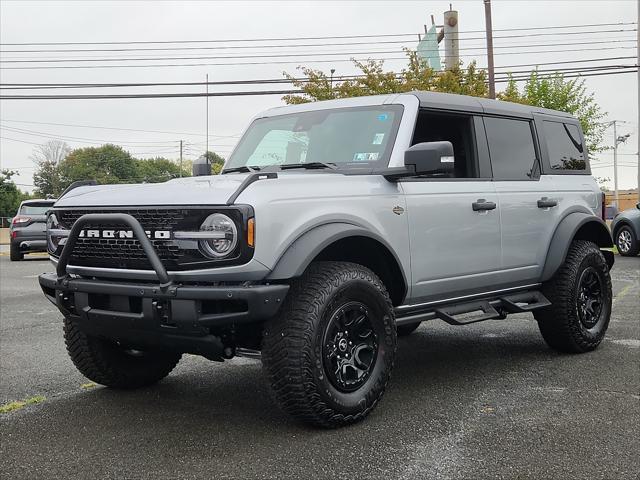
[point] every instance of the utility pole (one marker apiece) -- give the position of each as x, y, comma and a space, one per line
489, 28
638, 102
451, 40
181, 158
207, 147
615, 164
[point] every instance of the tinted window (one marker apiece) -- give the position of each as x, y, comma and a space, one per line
565, 146
35, 208
513, 155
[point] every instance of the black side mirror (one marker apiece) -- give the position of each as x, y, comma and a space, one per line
430, 158
201, 167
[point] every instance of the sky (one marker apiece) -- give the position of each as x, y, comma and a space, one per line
167, 121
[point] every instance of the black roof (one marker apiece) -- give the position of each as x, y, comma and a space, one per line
450, 101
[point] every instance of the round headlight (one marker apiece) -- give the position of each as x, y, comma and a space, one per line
224, 236
55, 233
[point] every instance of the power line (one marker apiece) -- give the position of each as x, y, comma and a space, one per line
276, 55
8, 86
118, 128
238, 93
253, 47
288, 62
284, 39
169, 144
12, 86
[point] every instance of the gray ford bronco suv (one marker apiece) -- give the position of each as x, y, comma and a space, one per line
333, 228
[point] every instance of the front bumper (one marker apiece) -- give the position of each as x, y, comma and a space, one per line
180, 317
161, 314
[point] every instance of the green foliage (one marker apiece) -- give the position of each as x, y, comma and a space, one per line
47, 180
105, 164
10, 195
159, 169
567, 95
19, 404
217, 162
375, 81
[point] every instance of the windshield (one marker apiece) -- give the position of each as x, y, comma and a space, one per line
354, 138
35, 208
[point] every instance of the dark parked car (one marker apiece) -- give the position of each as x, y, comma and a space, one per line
29, 228
626, 231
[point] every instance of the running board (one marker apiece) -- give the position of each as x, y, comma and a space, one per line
465, 313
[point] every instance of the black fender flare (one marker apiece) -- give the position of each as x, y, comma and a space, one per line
297, 257
576, 225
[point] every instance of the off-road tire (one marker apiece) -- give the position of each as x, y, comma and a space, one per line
15, 255
560, 323
635, 244
407, 329
292, 350
107, 363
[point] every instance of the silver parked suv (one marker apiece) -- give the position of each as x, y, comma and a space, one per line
334, 227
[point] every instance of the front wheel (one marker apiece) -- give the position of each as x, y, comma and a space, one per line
580, 295
627, 243
113, 365
329, 354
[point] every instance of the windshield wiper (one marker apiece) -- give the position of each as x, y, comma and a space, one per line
310, 165
243, 168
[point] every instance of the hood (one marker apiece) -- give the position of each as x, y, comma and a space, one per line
206, 190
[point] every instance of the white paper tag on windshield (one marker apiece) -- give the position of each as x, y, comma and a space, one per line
365, 157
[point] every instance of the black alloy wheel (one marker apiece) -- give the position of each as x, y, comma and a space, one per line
589, 297
350, 347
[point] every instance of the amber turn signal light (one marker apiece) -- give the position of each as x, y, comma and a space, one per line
251, 229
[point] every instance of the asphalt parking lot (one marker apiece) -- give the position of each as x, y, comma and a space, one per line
483, 401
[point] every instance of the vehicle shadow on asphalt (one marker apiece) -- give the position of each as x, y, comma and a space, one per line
431, 366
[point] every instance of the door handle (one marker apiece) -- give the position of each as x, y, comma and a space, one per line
545, 202
482, 204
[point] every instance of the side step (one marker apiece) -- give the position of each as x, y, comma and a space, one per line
478, 310
524, 302
466, 312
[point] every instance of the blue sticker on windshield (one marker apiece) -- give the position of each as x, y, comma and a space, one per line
383, 116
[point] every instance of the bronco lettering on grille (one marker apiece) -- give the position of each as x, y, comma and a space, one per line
156, 234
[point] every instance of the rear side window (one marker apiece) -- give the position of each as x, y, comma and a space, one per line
564, 145
511, 147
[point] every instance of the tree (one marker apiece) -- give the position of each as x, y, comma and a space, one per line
47, 157
216, 161
373, 80
106, 164
10, 195
159, 169
567, 95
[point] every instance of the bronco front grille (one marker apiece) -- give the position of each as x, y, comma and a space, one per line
128, 253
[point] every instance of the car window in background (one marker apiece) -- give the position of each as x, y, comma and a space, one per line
354, 138
35, 208
565, 146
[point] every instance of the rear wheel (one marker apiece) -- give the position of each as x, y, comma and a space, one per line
627, 242
15, 254
110, 364
329, 354
580, 295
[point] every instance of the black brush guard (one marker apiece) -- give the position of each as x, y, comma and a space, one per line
163, 314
